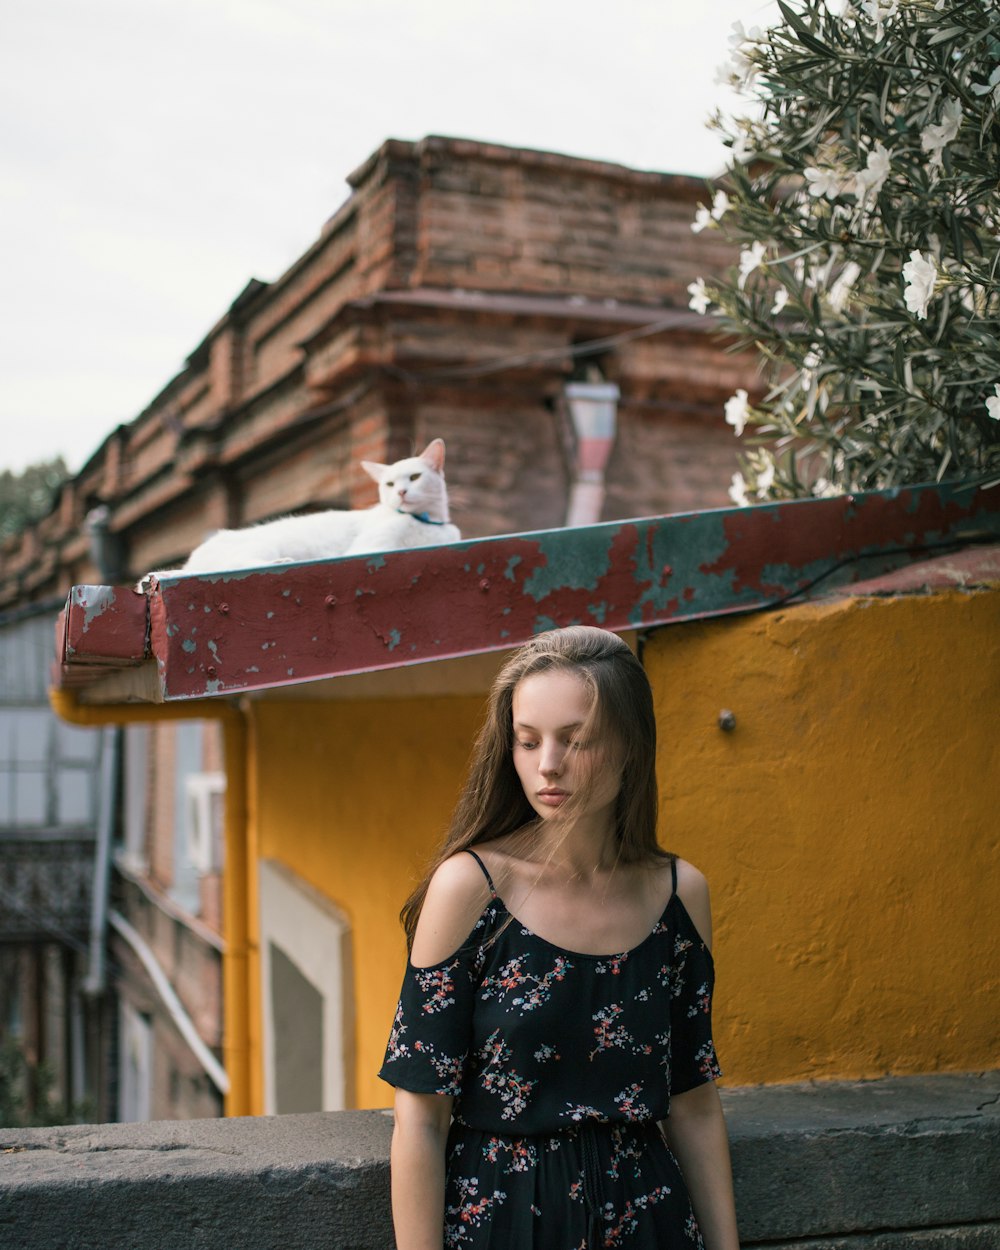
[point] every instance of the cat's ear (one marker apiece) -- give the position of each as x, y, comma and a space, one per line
433, 454
373, 470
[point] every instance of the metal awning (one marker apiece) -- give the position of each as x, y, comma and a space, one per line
209, 635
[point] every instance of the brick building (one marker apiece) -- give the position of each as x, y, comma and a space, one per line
457, 293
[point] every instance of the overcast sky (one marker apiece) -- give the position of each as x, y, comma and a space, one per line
157, 154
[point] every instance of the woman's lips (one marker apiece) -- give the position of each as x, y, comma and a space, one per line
552, 798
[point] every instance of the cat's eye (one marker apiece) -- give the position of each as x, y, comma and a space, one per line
390, 483
414, 476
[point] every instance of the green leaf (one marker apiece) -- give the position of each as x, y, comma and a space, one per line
805, 36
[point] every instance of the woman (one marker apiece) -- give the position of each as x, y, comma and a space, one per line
539, 1078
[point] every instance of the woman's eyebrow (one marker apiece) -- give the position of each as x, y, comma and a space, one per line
577, 724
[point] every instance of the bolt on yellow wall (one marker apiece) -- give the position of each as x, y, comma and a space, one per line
848, 826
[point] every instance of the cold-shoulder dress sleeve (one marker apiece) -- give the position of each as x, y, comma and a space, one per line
693, 1060
432, 1029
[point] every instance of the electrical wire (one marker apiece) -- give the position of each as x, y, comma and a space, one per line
592, 347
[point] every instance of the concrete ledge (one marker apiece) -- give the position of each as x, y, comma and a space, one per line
274, 1183
839, 1157
870, 1165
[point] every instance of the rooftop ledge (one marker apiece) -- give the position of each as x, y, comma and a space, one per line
890, 1164
223, 634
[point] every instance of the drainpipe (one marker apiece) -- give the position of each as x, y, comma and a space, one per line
106, 554
236, 900
94, 981
593, 410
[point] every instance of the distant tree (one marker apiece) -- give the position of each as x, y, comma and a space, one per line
862, 196
26, 1093
27, 496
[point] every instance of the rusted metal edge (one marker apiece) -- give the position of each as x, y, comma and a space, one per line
225, 634
104, 625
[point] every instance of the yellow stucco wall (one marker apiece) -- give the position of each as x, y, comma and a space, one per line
352, 796
848, 827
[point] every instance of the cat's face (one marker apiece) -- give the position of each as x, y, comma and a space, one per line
415, 484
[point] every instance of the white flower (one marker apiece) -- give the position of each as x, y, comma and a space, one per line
935, 138
720, 205
838, 8
737, 409
780, 300
877, 11
738, 491
811, 361
765, 478
740, 70
824, 182
871, 179
699, 296
920, 275
743, 148
993, 403
739, 37
844, 285
750, 259
992, 87
822, 489
702, 218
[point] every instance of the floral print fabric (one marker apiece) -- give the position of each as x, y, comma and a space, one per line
551, 1054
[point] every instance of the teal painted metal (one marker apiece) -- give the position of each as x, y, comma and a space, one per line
228, 633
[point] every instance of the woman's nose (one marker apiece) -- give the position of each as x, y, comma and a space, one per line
551, 762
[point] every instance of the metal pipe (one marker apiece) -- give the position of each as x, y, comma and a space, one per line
95, 979
593, 411
174, 1006
240, 1054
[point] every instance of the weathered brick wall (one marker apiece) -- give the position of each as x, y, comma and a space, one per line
519, 220
305, 375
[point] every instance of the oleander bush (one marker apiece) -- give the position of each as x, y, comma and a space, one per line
862, 193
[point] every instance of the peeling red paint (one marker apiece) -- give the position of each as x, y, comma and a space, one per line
291, 623
104, 625
777, 537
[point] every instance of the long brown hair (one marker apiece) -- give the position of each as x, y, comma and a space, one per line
493, 803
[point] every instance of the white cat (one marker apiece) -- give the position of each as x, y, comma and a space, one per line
412, 512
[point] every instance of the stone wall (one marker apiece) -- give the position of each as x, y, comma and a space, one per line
901, 1163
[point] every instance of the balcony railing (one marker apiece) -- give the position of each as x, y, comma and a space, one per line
45, 885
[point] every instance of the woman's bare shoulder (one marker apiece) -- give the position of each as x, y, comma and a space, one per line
692, 888
456, 896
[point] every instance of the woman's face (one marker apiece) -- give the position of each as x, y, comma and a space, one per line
552, 759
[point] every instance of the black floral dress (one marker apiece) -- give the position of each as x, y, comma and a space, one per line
561, 1065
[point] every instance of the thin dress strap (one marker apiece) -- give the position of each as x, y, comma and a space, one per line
486, 871
673, 875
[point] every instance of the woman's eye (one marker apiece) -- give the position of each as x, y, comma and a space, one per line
527, 746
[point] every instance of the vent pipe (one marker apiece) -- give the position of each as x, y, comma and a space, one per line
593, 411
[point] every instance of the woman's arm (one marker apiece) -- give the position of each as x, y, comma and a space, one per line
696, 1134
696, 1128
455, 900
419, 1134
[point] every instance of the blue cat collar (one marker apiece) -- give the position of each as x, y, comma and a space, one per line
420, 516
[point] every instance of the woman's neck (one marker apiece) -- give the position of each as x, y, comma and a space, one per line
583, 852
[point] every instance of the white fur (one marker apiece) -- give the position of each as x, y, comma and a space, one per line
408, 487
